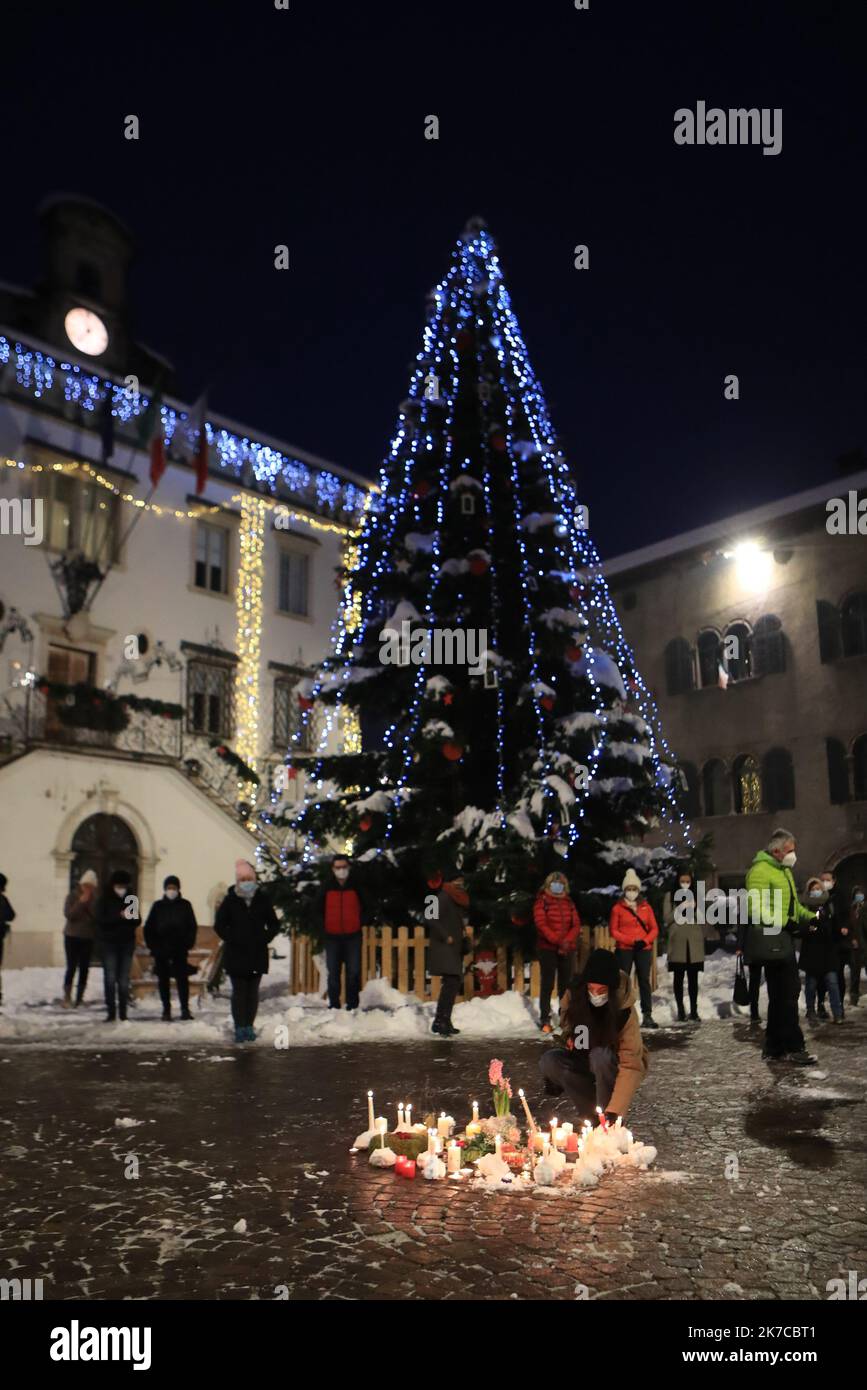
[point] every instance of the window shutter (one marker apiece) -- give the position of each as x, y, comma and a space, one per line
828, 619
769, 647
838, 772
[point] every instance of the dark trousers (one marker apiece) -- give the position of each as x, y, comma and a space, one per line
755, 973
587, 1078
116, 963
2, 941
552, 965
691, 972
642, 960
782, 1033
164, 968
852, 959
245, 1000
450, 986
78, 952
343, 951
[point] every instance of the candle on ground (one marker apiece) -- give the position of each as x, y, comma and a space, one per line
431, 1141
400, 1114
571, 1143
475, 1112
530, 1121
498, 1143
539, 1141
473, 1128
409, 1168
454, 1158
370, 1124
445, 1125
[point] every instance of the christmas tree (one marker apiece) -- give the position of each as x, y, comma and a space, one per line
500, 725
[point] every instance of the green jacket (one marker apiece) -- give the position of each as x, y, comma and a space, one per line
765, 937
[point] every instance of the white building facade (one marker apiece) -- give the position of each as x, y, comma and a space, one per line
156, 641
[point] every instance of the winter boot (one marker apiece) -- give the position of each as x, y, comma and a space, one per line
649, 1021
167, 1015
681, 1014
811, 1015
440, 1028
240, 1033
822, 1011
250, 1032
801, 1059
546, 1028
694, 1016
186, 1015
67, 998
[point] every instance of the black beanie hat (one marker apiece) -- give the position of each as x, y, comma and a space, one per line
601, 969
172, 881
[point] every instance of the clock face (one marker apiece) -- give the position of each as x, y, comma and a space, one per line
86, 331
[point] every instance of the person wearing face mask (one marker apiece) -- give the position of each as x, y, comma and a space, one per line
604, 1059
339, 913
247, 923
819, 957
685, 946
634, 929
446, 949
169, 933
558, 937
117, 917
774, 918
79, 912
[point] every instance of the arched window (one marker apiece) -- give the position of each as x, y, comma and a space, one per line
737, 651
708, 657
715, 786
769, 647
747, 786
687, 776
104, 844
838, 772
859, 767
679, 669
778, 780
853, 622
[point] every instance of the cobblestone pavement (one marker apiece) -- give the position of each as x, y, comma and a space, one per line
263, 1136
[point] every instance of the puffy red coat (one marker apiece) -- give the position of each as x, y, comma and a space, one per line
558, 926
626, 930
342, 912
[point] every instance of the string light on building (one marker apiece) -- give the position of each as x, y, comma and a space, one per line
248, 611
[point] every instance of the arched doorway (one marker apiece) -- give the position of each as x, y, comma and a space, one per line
850, 870
104, 843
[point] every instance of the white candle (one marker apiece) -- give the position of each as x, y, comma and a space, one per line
567, 1128
382, 1129
473, 1128
539, 1141
454, 1158
498, 1143
530, 1121
618, 1122
431, 1141
370, 1124
409, 1117
445, 1125
400, 1114
475, 1112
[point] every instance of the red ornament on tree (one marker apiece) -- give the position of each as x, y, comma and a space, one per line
292, 773
547, 702
574, 653
478, 564
305, 702
448, 698
365, 823
452, 751
435, 881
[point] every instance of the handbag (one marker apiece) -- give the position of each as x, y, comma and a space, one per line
741, 991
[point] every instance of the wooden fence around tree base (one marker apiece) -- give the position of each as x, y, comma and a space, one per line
398, 954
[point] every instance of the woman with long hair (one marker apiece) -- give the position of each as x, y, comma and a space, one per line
604, 1060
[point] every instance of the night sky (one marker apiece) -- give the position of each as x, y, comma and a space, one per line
262, 127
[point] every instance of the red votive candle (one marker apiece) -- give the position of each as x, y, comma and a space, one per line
571, 1143
409, 1168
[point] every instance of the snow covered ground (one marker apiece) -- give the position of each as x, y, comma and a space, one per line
32, 1013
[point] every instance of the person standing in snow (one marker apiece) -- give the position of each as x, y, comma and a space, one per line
857, 918
116, 921
446, 952
7, 915
819, 959
558, 937
775, 917
634, 929
247, 923
339, 913
685, 946
169, 933
79, 912
604, 1060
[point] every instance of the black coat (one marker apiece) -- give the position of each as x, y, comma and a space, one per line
112, 927
170, 929
247, 928
6, 916
446, 954
819, 955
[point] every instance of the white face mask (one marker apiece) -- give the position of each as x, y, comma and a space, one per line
597, 1000
341, 875
557, 888
685, 886
120, 890
827, 884
171, 893
246, 888
631, 894
817, 893
789, 860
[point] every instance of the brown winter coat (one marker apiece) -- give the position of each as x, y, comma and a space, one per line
80, 916
632, 1055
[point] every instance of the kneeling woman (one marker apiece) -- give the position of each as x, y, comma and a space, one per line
604, 1060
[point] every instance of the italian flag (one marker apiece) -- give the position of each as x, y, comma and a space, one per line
150, 437
200, 457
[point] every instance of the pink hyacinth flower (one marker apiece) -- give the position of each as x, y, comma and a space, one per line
495, 1072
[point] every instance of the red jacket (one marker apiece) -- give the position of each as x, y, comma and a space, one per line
558, 926
342, 912
626, 930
